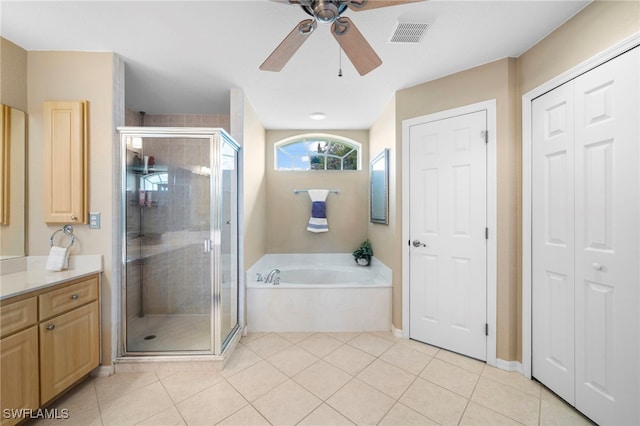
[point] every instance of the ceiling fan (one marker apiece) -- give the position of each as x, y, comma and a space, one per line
350, 39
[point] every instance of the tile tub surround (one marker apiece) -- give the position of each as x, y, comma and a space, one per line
321, 379
294, 307
33, 276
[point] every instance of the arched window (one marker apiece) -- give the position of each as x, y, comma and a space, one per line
317, 152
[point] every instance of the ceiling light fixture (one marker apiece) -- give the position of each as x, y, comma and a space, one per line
318, 116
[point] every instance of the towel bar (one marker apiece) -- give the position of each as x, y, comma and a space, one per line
67, 229
297, 191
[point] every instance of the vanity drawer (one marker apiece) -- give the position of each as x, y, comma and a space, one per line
58, 301
18, 315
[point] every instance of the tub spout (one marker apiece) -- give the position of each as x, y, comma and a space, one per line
272, 277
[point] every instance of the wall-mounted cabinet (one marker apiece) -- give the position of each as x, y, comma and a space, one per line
65, 164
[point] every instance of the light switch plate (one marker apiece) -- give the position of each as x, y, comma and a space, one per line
94, 220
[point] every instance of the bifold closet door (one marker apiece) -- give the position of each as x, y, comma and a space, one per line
586, 241
607, 193
552, 241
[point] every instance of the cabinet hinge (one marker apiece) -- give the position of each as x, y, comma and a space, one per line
486, 329
486, 233
485, 135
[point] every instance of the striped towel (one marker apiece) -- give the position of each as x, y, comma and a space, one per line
318, 219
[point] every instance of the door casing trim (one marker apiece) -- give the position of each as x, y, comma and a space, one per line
490, 107
527, 99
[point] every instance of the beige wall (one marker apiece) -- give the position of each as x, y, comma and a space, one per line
248, 131
254, 187
495, 80
288, 214
598, 27
385, 237
13, 75
76, 76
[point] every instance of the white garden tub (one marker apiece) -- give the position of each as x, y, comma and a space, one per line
318, 292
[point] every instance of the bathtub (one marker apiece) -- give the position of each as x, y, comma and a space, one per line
318, 292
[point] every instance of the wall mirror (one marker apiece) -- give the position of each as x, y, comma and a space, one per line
12, 182
379, 190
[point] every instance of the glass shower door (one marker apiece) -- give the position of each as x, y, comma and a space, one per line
228, 312
169, 264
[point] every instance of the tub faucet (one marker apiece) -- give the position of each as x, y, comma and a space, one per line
271, 276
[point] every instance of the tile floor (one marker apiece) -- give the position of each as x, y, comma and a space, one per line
321, 379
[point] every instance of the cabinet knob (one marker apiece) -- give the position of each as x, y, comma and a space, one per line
74, 217
74, 296
51, 327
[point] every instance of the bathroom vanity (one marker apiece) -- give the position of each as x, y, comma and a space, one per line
49, 336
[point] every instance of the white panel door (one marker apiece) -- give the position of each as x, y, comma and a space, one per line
607, 194
552, 219
448, 282
586, 241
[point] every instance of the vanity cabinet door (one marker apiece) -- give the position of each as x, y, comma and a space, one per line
69, 349
65, 164
18, 375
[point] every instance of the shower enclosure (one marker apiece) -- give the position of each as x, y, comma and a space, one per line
180, 240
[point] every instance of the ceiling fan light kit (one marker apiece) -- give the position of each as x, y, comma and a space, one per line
350, 39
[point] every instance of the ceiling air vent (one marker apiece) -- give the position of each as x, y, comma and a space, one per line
409, 32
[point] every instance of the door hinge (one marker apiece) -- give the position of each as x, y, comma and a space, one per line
485, 135
486, 233
409, 243
486, 329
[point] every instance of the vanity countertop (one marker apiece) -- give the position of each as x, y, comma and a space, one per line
35, 277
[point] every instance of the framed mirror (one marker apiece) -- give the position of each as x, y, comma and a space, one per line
12, 182
379, 189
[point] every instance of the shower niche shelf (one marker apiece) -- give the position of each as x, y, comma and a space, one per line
139, 170
137, 203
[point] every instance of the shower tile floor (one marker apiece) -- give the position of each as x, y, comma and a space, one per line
169, 332
321, 379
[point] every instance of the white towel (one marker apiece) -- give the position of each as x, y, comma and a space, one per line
318, 222
58, 259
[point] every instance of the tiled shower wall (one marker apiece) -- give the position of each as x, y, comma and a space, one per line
133, 118
173, 268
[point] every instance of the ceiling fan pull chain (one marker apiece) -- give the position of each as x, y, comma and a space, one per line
339, 61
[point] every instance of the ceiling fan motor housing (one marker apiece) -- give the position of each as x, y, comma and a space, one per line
326, 11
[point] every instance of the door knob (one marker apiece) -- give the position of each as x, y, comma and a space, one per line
417, 243
597, 266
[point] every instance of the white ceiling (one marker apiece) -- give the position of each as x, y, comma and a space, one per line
183, 56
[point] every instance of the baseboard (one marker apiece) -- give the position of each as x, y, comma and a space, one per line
510, 365
103, 371
396, 331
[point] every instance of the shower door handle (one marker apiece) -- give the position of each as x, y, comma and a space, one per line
207, 246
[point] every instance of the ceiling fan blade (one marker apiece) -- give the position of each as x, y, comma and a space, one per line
357, 5
358, 50
291, 43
